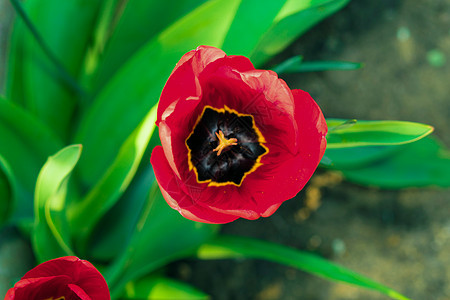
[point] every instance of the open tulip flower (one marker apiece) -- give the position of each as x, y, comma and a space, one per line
236, 141
65, 278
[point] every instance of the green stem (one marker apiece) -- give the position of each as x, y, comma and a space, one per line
65, 75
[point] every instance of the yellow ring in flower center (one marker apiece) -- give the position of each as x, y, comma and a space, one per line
223, 149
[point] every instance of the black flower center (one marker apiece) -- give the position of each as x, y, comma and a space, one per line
224, 146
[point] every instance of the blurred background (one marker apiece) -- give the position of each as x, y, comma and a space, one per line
400, 238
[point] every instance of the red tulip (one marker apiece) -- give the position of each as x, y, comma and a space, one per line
67, 278
236, 142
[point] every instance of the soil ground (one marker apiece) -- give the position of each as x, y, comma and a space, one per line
399, 238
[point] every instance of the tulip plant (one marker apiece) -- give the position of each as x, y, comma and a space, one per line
130, 129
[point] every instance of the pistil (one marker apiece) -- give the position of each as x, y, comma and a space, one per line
224, 142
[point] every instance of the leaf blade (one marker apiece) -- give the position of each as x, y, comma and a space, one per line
294, 19
250, 22
225, 247
424, 163
26, 145
138, 24
115, 181
8, 191
296, 65
116, 227
150, 248
50, 240
65, 28
374, 133
157, 287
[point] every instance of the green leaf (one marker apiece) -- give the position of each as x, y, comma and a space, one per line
107, 18
138, 24
295, 65
156, 287
351, 158
373, 133
28, 145
288, 64
294, 19
225, 247
34, 82
50, 235
153, 245
422, 163
252, 19
15, 65
314, 66
8, 191
85, 214
115, 229
140, 82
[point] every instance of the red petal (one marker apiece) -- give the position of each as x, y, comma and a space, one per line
282, 177
80, 272
10, 294
311, 123
270, 210
79, 292
39, 288
257, 93
179, 195
230, 200
91, 281
274, 110
234, 62
174, 129
58, 266
183, 82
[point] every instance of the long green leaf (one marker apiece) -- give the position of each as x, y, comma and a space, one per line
374, 133
161, 236
288, 64
422, 163
252, 19
8, 191
85, 214
65, 77
115, 229
314, 66
50, 234
225, 247
25, 144
156, 287
294, 19
138, 24
109, 12
356, 157
33, 81
296, 64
